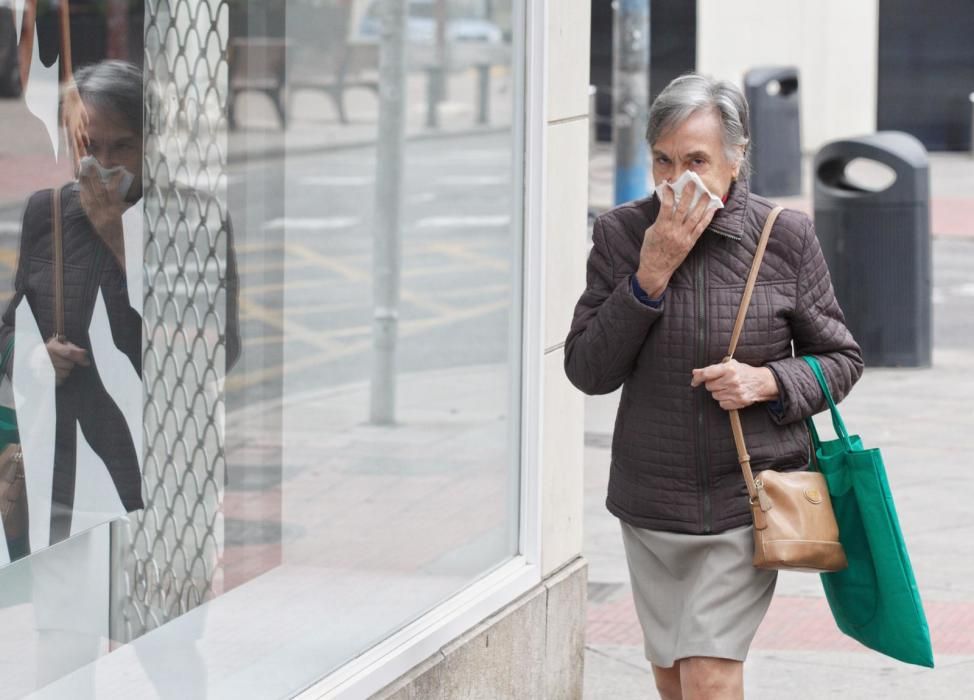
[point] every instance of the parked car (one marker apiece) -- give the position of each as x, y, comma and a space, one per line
421, 25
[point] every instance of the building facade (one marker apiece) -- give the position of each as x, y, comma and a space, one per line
349, 243
863, 66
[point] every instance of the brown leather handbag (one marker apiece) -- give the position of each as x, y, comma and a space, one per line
794, 525
13, 492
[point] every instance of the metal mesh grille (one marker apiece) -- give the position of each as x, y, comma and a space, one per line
168, 558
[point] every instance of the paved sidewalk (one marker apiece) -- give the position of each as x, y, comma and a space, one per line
922, 420
339, 471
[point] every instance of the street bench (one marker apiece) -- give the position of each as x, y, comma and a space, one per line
262, 65
258, 64
334, 70
459, 56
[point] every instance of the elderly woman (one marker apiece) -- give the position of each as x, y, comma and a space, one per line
664, 283
94, 264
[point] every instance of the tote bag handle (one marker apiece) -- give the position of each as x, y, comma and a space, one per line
837, 423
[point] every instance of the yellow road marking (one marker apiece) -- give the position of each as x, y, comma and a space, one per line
349, 272
406, 330
263, 340
461, 251
249, 309
324, 308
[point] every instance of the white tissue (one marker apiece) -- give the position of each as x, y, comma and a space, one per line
681, 182
89, 163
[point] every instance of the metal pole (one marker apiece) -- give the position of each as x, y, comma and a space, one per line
433, 87
592, 117
971, 98
441, 72
387, 252
483, 93
631, 97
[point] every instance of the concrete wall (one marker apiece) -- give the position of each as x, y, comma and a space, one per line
834, 44
533, 648
565, 250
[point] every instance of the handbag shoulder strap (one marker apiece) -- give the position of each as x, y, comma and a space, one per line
743, 457
751, 279
57, 244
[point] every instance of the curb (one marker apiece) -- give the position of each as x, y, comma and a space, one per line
272, 153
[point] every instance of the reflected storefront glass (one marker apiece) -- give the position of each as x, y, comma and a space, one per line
282, 419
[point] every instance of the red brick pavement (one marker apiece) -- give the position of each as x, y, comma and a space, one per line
23, 174
792, 624
953, 217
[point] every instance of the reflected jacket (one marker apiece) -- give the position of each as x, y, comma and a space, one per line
674, 465
82, 399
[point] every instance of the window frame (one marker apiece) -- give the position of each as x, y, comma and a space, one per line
413, 644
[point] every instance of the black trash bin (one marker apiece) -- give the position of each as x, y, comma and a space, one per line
877, 244
776, 153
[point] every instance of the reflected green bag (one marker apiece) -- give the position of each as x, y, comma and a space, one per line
875, 601
13, 485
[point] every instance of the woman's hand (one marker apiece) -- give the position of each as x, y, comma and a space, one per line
65, 356
104, 204
75, 118
735, 385
670, 239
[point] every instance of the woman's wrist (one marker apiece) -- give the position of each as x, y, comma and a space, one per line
653, 285
769, 390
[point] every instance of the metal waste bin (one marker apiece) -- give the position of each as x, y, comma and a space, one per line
877, 245
776, 154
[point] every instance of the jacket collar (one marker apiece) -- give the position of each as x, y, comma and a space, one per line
727, 222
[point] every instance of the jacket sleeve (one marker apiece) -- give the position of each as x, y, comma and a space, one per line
609, 326
7, 327
818, 328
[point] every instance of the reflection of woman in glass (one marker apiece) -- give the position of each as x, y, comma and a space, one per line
94, 261
73, 113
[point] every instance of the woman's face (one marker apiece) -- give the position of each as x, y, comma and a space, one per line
113, 144
695, 145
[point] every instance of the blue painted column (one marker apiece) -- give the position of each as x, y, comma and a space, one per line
631, 97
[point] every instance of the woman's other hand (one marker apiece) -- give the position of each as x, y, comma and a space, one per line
65, 356
670, 239
735, 385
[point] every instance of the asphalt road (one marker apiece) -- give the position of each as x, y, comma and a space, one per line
304, 237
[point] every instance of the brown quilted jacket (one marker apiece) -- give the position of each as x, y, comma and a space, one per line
674, 465
82, 400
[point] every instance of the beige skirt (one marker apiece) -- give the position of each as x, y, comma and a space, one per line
696, 595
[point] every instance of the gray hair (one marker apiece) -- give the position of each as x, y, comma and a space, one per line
113, 85
691, 93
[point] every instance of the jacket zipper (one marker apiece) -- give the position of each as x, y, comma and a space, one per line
703, 475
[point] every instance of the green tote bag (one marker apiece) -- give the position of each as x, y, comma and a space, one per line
875, 601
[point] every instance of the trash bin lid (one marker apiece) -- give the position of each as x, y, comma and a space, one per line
899, 151
762, 75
